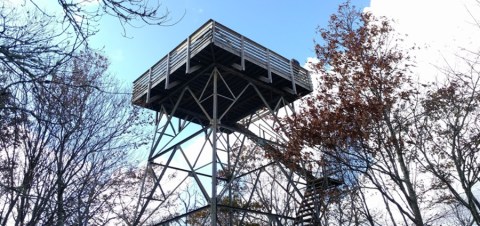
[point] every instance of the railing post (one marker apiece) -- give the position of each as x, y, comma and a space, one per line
167, 76
269, 69
149, 85
309, 80
292, 77
242, 53
213, 31
187, 70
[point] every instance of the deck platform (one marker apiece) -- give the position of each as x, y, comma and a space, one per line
238, 59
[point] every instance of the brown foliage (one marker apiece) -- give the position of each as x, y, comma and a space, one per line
361, 79
356, 117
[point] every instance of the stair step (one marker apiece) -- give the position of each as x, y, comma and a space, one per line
306, 211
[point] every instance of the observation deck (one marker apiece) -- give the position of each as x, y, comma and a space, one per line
240, 61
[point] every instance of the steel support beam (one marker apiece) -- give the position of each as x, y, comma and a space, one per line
224, 176
214, 121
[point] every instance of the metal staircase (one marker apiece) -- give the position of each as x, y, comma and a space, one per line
313, 201
316, 190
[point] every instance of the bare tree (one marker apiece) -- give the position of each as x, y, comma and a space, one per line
63, 130
123, 194
60, 171
35, 43
448, 134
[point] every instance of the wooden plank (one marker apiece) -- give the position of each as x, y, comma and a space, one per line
158, 71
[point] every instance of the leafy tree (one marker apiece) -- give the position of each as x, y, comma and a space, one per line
414, 143
359, 116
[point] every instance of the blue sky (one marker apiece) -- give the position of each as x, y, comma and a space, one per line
286, 27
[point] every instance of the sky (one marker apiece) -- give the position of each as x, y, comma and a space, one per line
438, 27
289, 28
286, 27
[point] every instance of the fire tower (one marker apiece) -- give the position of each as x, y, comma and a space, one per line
216, 158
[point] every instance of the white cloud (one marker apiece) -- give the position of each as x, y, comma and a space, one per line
439, 27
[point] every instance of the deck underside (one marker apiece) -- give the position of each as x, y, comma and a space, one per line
234, 86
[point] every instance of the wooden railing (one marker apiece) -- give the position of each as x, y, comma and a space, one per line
228, 40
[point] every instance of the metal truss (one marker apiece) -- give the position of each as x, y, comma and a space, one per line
217, 173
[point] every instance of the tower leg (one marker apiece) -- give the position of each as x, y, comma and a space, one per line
216, 173
213, 202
